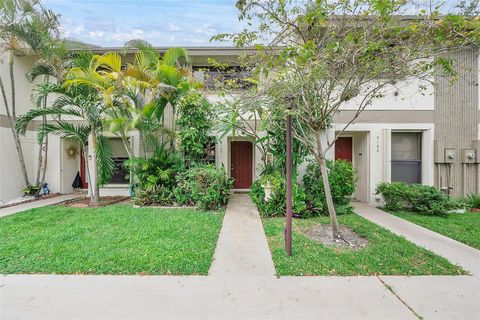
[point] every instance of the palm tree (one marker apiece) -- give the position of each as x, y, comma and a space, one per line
79, 103
137, 93
24, 25
43, 40
171, 69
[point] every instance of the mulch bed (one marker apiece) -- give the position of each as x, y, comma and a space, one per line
323, 233
47, 196
85, 202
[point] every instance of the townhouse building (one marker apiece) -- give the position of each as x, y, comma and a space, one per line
430, 137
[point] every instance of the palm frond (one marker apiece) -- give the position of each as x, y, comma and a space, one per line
22, 122
173, 55
42, 90
135, 72
80, 76
110, 60
105, 163
41, 69
169, 75
146, 55
65, 130
82, 59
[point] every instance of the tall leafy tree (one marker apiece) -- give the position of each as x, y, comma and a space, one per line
194, 123
79, 112
137, 93
49, 67
326, 54
24, 25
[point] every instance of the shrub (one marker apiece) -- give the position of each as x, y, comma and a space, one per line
257, 194
155, 177
276, 205
31, 190
156, 195
472, 201
204, 186
342, 177
417, 198
194, 121
394, 194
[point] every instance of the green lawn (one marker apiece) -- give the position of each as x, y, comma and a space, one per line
464, 227
386, 253
108, 240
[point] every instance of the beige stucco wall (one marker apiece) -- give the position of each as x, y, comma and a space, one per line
457, 119
11, 180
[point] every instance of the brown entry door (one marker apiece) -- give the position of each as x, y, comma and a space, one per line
241, 164
343, 148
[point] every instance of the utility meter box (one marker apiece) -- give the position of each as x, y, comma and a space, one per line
476, 146
469, 156
450, 155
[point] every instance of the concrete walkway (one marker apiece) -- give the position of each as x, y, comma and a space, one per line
242, 248
458, 253
241, 285
37, 204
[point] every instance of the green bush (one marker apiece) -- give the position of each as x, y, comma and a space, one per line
472, 201
155, 195
31, 190
155, 177
194, 123
257, 194
417, 198
394, 194
310, 199
204, 186
277, 203
342, 177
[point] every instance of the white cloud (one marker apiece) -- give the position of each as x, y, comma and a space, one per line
125, 36
173, 27
206, 29
96, 34
79, 29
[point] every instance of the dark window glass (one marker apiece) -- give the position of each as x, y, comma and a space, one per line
228, 77
120, 174
406, 157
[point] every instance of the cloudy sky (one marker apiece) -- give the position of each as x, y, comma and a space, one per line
161, 22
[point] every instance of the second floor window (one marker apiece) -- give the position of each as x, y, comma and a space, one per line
230, 77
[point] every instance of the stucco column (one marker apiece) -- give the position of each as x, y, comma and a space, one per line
387, 155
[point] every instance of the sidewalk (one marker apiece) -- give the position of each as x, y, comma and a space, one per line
242, 248
241, 285
458, 253
37, 204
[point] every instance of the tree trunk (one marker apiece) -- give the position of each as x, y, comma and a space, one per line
43, 153
21, 159
45, 161
12, 84
127, 146
89, 178
39, 165
96, 188
326, 186
174, 128
11, 120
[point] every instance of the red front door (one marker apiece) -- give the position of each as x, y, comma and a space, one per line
242, 163
83, 171
343, 148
